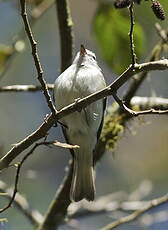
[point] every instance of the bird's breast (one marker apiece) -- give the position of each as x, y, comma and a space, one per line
78, 84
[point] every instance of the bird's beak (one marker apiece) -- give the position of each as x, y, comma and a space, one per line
82, 50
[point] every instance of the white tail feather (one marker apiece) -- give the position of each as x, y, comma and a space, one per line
83, 177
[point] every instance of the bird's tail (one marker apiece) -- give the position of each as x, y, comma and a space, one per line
83, 185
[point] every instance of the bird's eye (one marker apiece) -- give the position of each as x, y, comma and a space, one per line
94, 57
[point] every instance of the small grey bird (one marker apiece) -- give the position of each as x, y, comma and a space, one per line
83, 128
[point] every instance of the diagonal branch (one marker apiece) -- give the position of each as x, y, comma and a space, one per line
154, 203
19, 165
82, 103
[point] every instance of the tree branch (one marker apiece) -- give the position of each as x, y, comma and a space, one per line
132, 47
35, 55
58, 208
19, 165
152, 204
137, 113
155, 55
76, 106
23, 88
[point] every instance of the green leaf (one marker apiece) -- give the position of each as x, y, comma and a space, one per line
111, 28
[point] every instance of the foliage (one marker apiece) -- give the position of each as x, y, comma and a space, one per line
113, 127
111, 28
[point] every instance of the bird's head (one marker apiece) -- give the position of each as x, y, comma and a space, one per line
85, 57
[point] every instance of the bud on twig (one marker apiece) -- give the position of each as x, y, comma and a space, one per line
158, 10
122, 3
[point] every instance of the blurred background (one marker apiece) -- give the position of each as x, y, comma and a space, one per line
142, 152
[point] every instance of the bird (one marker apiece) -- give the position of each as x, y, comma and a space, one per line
84, 77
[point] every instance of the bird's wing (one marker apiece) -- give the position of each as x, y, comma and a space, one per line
91, 117
66, 138
101, 124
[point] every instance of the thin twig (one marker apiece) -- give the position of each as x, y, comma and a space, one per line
82, 103
37, 63
19, 165
143, 112
154, 56
132, 47
23, 88
137, 113
153, 203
